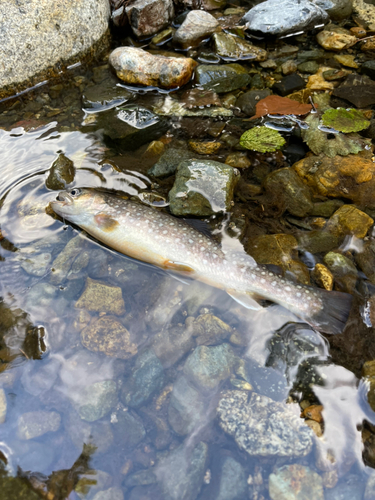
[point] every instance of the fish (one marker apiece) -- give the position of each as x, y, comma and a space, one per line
170, 243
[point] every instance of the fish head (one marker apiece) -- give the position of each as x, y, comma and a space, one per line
78, 205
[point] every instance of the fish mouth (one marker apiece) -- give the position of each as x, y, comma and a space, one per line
64, 198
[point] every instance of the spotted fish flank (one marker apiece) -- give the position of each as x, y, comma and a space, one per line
170, 243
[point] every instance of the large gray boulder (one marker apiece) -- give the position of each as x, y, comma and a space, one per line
35, 35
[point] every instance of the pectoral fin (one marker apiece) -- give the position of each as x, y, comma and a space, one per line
106, 222
245, 300
179, 267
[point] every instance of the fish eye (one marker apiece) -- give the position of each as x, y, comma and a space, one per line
75, 191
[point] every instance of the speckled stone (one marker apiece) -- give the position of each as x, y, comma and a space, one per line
101, 298
36, 423
295, 482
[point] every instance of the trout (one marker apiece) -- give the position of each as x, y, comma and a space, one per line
167, 242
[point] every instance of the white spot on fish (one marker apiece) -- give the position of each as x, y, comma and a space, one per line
214, 256
191, 242
262, 280
270, 274
288, 289
273, 283
299, 287
298, 294
205, 261
263, 273
203, 249
165, 231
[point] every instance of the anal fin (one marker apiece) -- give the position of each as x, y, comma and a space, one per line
245, 299
179, 267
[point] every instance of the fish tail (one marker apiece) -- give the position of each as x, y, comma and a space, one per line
334, 313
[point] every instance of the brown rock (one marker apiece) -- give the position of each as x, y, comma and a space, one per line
147, 17
101, 298
318, 82
273, 248
205, 147
109, 336
351, 177
348, 220
197, 26
323, 276
138, 67
368, 45
171, 344
238, 160
209, 329
333, 40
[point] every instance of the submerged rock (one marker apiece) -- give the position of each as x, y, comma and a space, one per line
147, 17
202, 187
222, 78
101, 298
138, 67
233, 48
262, 427
105, 95
37, 265
279, 17
247, 101
168, 162
197, 26
232, 480
208, 329
128, 428
96, 400
113, 493
348, 220
64, 262
3, 406
109, 336
295, 482
171, 344
357, 89
61, 173
335, 38
187, 408
36, 423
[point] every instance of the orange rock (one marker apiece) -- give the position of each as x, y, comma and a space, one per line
313, 412
351, 177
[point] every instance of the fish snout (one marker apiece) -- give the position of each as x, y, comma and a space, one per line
64, 197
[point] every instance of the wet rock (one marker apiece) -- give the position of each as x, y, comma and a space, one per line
351, 487
147, 17
61, 173
28, 454
207, 367
41, 296
37, 265
64, 262
231, 47
182, 472
247, 101
3, 406
141, 478
197, 26
347, 60
277, 249
131, 126
351, 177
343, 270
279, 18
366, 260
163, 37
295, 482
308, 67
202, 187
205, 147
104, 95
238, 160
101, 298
340, 10
172, 344
36, 423
146, 379
326, 208
289, 67
285, 186
289, 84
138, 67
96, 400
365, 12
173, 107
348, 220
98, 266
128, 428
368, 68
358, 90
208, 329
221, 78
263, 427
98, 434
335, 38
37, 379
37, 37
232, 484
113, 493
323, 277
109, 336
187, 407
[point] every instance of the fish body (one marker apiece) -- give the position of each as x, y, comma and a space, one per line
167, 242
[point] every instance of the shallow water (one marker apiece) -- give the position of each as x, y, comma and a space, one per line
44, 367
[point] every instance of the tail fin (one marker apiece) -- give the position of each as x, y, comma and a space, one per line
334, 314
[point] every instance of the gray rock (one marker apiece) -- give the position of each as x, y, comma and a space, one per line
247, 101
181, 473
61, 173
97, 434
38, 377
339, 265
64, 262
36, 35
197, 26
36, 423
168, 162
3, 406
350, 487
368, 68
221, 78
105, 95
187, 408
110, 494
147, 17
295, 482
96, 400
208, 329
171, 344
207, 366
202, 187
141, 478
279, 17
308, 67
232, 480
40, 297
29, 453
147, 378
340, 10
370, 488
263, 427
128, 428
234, 48
37, 265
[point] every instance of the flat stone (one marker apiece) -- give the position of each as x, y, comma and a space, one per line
357, 89
98, 434
222, 78
275, 17
289, 84
187, 407
98, 297
340, 10
36, 36
232, 480
109, 336
308, 67
128, 428
347, 60
138, 67
202, 187
147, 17
274, 249
248, 100
295, 482
197, 26
172, 344
238, 160
3, 406
37, 265
36, 423
262, 427
368, 68
323, 276
208, 329
331, 39
96, 400
348, 220
63, 264
233, 48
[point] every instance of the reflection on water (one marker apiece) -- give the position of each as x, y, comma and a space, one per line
118, 381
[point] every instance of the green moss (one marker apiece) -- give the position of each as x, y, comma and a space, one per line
262, 139
345, 120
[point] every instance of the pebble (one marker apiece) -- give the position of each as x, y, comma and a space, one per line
238, 160
147, 17
128, 428
289, 84
96, 400
349, 220
168, 162
172, 344
295, 482
234, 48
323, 276
36, 423
205, 147
248, 100
187, 407
37, 265
98, 297
337, 39
197, 26
61, 173
346, 60
222, 78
